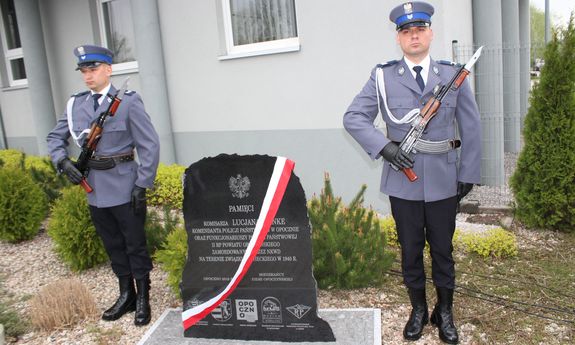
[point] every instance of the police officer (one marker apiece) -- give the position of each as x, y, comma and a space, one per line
118, 201
424, 209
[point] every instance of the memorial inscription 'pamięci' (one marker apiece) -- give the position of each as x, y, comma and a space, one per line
242, 210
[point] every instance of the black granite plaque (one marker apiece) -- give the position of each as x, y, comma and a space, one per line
276, 299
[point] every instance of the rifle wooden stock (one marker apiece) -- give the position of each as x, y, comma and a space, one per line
409, 174
84, 184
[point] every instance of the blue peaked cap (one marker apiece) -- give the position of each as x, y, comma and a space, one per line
93, 56
415, 13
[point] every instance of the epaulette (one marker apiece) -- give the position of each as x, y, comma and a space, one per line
389, 63
129, 92
449, 63
80, 93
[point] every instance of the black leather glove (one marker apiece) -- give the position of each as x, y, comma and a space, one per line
463, 189
393, 154
138, 203
72, 173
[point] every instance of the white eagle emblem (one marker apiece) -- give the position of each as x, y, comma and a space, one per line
239, 186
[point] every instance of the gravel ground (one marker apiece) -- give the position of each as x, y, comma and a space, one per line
28, 266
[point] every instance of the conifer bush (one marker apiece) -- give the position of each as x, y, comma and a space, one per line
40, 169
71, 229
158, 225
544, 180
12, 158
23, 205
168, 188
348, 242
172, 257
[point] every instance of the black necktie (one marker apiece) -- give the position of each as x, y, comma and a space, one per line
96, 96
418, 77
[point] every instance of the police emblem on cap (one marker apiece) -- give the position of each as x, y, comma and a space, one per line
81, 50
407, 8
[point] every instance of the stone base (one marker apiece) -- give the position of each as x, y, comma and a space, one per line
350, 327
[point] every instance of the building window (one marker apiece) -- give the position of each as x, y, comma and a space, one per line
12, 46
117, 33
256, 27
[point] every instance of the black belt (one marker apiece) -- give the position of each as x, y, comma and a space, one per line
105, 163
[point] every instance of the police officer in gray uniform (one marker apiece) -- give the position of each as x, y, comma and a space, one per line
424, 209
118, 201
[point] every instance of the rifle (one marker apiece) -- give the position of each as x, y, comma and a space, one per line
430, 110
89, 145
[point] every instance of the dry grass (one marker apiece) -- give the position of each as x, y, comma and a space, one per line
61, 305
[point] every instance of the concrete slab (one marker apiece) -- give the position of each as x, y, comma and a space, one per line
350, 327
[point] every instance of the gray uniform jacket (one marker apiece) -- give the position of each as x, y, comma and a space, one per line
130, 128
438, 173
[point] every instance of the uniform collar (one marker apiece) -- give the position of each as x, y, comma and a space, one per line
104, 90
424, 64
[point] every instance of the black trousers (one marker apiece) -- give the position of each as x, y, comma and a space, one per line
416, 222
124, 239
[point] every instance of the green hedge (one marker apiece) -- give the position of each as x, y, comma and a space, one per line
71, 229
23, 205
172, 257
168, 189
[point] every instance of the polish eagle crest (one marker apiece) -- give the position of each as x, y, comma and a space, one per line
239, 186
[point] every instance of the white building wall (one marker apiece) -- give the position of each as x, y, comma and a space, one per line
288, 104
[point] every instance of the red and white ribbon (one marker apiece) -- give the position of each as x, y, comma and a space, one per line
272, 200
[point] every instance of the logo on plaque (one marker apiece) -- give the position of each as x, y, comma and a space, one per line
239, 186
247, 309
298, 310
223, 312
271, 310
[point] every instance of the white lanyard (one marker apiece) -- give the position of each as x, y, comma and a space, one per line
380, 89
69, 107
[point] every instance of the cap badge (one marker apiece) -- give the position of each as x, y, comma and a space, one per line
81, 51
83, 57
410, 16
407, 8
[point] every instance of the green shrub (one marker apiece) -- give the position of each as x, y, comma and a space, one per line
71, 229
172, 257
496, 242
23, 205
41, 169
388, 227
348, 243
543, 182
12, 158
44, 173
158, 226
168, 189
14, 325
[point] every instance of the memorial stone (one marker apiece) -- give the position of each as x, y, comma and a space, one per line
277, 297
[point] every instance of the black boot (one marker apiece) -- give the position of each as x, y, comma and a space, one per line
143, 311
125, 303
442, 316
419, 315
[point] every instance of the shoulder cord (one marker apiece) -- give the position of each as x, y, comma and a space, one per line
380, 89
69, 107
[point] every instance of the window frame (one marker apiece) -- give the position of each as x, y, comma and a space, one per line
254, 49
117, 68
11, 55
